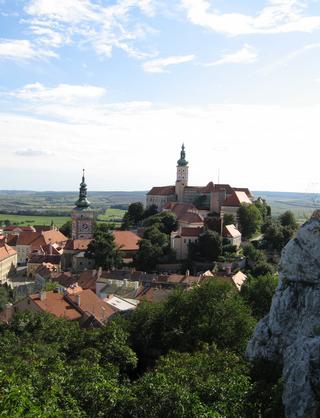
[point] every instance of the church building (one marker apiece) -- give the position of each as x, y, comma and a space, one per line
82, 215
216, 198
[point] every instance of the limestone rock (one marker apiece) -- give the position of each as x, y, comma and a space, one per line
290, 333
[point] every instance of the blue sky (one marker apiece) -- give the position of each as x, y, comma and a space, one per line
116, 86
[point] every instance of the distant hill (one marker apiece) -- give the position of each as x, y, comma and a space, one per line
49, 202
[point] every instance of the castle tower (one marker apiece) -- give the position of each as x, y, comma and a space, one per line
182, 174
82, 216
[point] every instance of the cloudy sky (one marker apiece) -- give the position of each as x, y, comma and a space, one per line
117, 86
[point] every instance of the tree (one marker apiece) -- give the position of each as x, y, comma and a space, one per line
165, 221
103, 251
288, 219
213, 312
257, 263
258, 293
150, 211
250, 219
209, 245
133, 216
208, 383
229, 219
148, 255
201, 202
66, 229
4, 296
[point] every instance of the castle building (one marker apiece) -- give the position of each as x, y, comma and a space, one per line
218, 198
82, 215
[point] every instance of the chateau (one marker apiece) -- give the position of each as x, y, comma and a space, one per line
218, 198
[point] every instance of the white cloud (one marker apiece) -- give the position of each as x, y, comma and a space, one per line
90, 23
246, 55
63, 93
278, 16
107, 145
21, 49
32, 152
160, 65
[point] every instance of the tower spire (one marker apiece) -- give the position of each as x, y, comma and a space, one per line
83, 202
182, 160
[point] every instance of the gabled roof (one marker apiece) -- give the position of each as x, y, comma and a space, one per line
191, 232
185, 212
236, 199
44, 258
56, 304
38, 239
231, 231
162, 191
126, 240
77, 244
91, 304
12, 239
6, 251
245, 190
226, 187
18, 228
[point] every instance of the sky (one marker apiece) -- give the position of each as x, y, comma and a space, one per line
115, 87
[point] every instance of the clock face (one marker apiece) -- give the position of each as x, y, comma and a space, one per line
84, 226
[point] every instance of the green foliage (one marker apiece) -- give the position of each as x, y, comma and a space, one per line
258, 293
278, 232
165, 221
250, 219
102, 249
213, 222
150, 211
229, 219
133, 216
201, 202
208, 383
51, 368
66, 229
208, 247
257, 263
211, 313
4, 296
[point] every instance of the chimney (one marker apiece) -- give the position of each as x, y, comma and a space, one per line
78, 300
43, 295
99, 272
94, 272
50, 248
228, 270
187, 273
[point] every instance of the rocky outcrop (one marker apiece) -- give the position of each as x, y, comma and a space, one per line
290, 333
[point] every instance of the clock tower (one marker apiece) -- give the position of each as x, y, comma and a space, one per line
82, 216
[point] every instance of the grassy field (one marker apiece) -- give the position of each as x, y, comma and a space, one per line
111, 215
24, 220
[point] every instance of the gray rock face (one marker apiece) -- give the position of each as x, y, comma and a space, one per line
290, 333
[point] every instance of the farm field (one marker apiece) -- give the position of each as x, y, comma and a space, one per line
110, 215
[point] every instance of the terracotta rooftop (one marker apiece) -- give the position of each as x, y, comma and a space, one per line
12, 239
162, 191
236, 199
56, 304
153, 295
91, 304
17, 228
6, 251
44, 258
126, 240
191, 232
77, 244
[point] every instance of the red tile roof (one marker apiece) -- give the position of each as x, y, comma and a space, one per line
236, 199
11, 228
162, 191
44, 258
12, 239
126, 240
6, 251
91, 304
191, 232
77, 244
56, 304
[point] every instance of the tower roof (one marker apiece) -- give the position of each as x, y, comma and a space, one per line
83, 202
182, 162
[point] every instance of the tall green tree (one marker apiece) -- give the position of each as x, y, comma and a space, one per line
250, 219
102, 249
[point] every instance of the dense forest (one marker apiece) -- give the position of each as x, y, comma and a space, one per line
184, 357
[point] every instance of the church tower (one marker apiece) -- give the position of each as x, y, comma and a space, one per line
82, 216
182, 174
